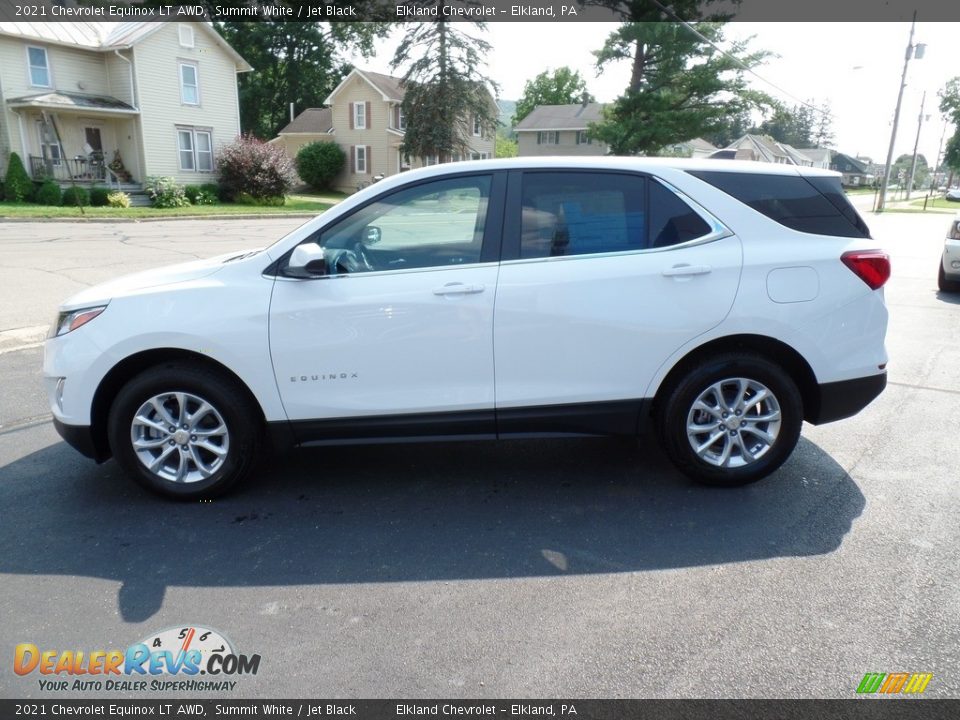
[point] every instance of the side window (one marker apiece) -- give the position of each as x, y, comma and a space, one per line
790, 200
436, 224
580, 213
672, 221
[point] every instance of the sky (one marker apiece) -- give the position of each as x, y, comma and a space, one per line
856, 67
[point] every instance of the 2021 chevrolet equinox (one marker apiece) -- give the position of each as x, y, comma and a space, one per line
724, 302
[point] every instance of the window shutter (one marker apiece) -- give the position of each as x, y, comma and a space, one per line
350, 113
366, 116
369, 168
353, 159
556, 137
539, 137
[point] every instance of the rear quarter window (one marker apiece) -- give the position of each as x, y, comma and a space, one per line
811, 205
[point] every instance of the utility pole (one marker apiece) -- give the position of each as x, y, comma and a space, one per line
881, 200
916, 144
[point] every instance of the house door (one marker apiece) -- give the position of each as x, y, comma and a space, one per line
93, 141
50, 150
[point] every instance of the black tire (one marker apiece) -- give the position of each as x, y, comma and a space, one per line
677, 407
947, 286
236, 450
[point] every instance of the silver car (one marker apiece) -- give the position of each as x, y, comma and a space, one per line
948, 278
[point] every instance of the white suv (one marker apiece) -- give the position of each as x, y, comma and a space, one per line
724, 301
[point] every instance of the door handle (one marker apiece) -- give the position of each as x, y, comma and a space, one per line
458, 289
686, 270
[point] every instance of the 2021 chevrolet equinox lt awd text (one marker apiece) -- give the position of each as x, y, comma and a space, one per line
723, 301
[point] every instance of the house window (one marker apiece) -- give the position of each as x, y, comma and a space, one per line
39, 67
477, 128
429, 160
195, 148
584, 139
401, 119
360, 157
479, 156
360, 116
189, 84
548, 137
186, 36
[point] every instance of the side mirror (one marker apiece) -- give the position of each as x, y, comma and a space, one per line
306, 261
371, 235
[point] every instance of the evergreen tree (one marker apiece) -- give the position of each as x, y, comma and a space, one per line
445, 93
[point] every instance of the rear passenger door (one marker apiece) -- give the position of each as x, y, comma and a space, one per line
604, 275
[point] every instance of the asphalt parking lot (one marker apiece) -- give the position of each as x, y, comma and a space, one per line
548, 568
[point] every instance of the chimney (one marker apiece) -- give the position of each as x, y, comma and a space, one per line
586, 98
291, 112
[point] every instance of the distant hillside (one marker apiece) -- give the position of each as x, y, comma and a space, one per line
507, 109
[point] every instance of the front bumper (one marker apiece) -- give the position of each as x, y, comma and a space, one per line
81, 438
843, 399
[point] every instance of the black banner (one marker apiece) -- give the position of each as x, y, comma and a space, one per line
867, 709
856, 11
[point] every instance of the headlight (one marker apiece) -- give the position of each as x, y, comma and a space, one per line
70, 320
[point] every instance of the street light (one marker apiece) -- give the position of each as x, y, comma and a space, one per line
912, 51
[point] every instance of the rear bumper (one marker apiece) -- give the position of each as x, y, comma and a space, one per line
81, 439
839, 400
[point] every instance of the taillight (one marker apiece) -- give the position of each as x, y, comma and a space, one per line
871, 266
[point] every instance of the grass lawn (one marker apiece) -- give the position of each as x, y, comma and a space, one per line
937, 203
294, 204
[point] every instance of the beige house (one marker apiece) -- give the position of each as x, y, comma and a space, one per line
763, 148
560, 130
74, 94
365, 119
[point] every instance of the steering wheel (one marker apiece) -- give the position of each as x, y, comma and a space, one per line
352, 260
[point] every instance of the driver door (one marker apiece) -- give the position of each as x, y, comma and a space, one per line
401, 323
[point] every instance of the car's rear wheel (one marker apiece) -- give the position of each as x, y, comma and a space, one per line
184, 431
950, 286
731, 420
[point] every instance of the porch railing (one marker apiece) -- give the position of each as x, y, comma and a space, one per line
79, 169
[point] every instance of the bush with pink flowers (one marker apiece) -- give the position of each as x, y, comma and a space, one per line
251, 168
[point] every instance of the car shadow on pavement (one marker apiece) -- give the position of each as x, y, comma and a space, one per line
948, 297
415, 513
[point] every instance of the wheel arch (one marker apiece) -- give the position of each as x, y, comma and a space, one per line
771, 349
132, 366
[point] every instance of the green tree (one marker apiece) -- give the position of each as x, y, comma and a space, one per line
950, 106
823, 136
299, 63
17, 184
505, 147
445, 91
903, 164
730, 128
561, 87
681, 87
792, 125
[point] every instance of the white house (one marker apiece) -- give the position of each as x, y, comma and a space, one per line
75, 96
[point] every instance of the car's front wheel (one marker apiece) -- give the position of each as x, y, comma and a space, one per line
184, 431
731, 420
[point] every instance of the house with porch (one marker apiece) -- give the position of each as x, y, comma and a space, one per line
364, 116
114, 103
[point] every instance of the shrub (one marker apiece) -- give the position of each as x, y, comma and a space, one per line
76, 196
2, 196
246, 199
254, 168
165, 192
98, 196
319, 163
18, 187
49, 193
197, 195
118, 200
211, 188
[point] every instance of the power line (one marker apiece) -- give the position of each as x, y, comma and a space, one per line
669, 11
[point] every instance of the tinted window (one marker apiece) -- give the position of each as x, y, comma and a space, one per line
433, 224
672, 221
790, 200
578, 213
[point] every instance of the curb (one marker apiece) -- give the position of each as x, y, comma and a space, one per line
22, 338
